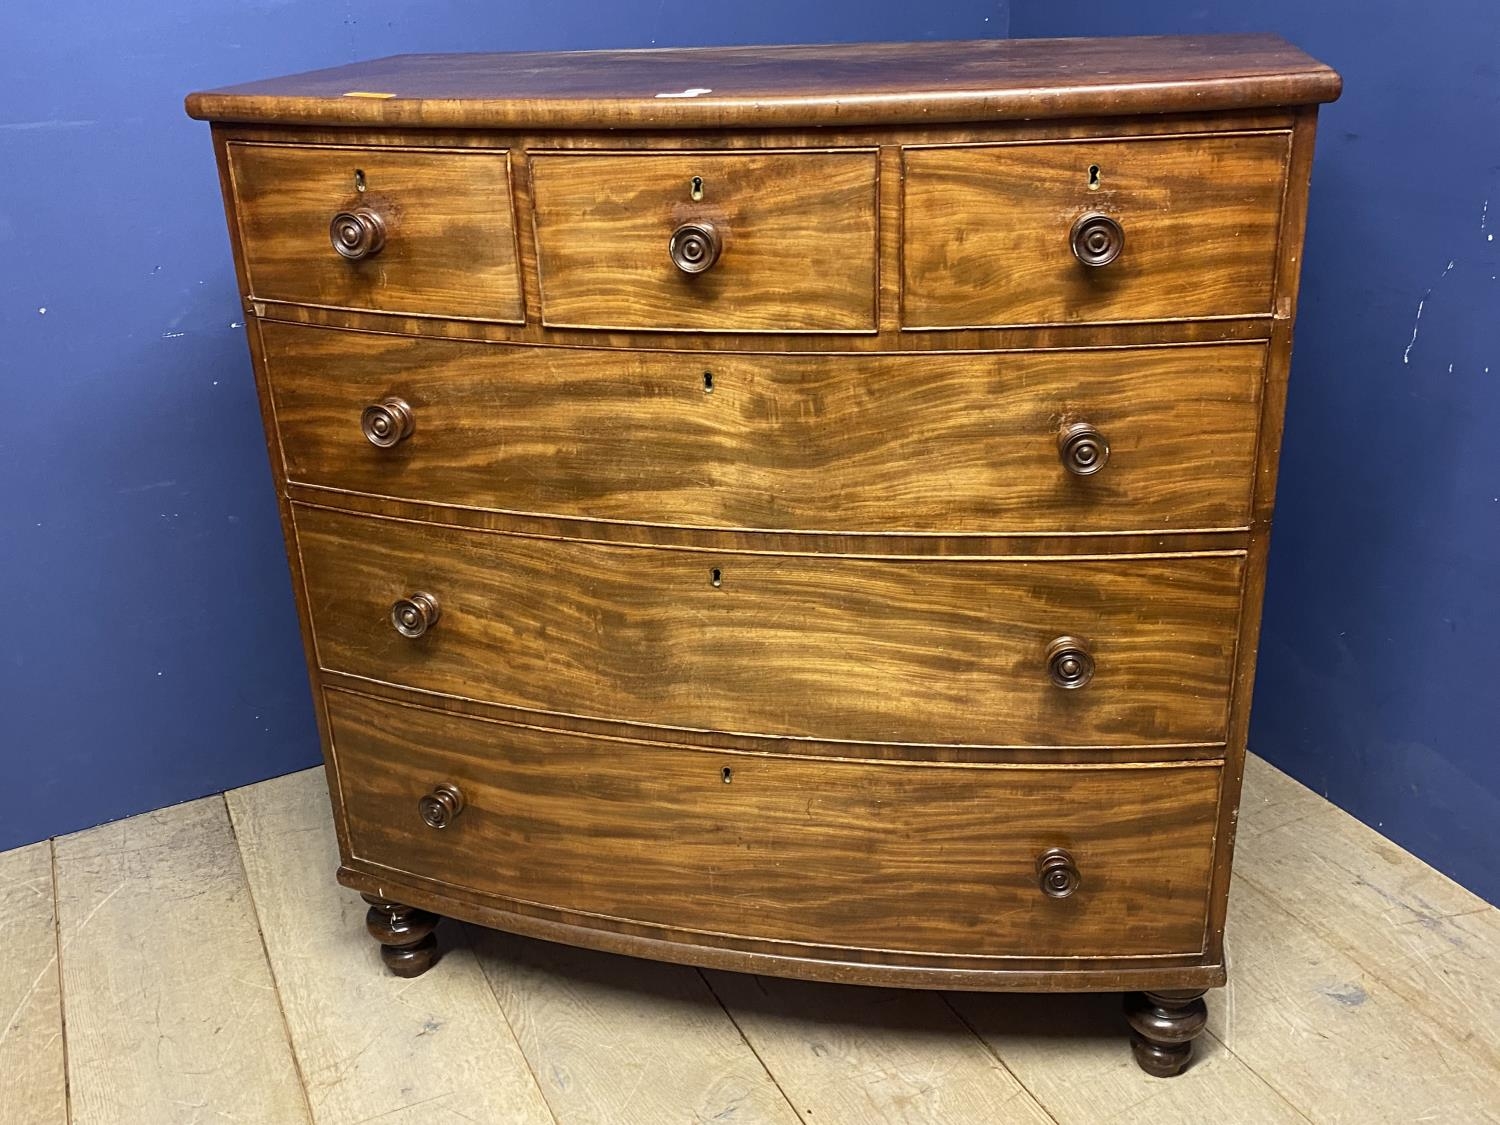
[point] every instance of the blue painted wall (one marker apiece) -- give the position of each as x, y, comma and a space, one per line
1379, 681
150, 650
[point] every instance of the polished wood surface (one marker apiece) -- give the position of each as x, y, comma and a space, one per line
767, 442
798, 233
986, 230
877, 650
522, 1031
866, 855
796, 86
936, 441
449, 235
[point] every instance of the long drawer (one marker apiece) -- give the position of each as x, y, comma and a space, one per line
877, 855
1113, 652
919, 442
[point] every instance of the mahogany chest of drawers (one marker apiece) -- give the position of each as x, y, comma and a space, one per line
799, 510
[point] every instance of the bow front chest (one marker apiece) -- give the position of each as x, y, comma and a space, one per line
800, 510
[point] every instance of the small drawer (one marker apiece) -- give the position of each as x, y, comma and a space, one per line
744, 242
418, 231
886, 855
1024, 652
1100, 440
1091, 231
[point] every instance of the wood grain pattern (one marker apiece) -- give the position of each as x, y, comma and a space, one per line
798, 231
814, 85
1292, 988
612, 1040
370, 1046
31, 1018
1424, 936
890, 855
1066, 1051
450, 243
889, 548
873, 1056
986, 230
928, 443
154, 915
870, 650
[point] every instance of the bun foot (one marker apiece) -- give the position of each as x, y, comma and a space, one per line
407, 945
1163, 1026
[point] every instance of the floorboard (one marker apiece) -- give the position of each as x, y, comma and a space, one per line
31, 1038
171, 1012
862, 1056
435, 1049
612, 1039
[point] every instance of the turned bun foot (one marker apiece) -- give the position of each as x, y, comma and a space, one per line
1163, 1026
407, 945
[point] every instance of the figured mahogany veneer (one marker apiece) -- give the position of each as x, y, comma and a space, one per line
447, 241
812, 441
982, 226
869, 649
794, 231
848, 856
800, 510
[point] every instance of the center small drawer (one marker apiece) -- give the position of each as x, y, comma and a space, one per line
888, 855
755, 241
1023, 652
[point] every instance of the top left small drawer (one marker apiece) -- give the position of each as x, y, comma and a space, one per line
427, 232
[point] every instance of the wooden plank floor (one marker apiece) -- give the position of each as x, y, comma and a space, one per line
199, 964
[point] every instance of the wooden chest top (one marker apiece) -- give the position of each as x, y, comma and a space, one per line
793, 86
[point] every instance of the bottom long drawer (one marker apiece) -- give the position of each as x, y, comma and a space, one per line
869, 854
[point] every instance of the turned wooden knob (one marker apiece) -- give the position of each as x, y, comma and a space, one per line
357, 234
1082, 448
1097, 239
441, 806
414, 615
694, 247
387, 422
1056, 873
1069, 663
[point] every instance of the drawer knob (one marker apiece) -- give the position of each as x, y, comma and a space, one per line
694, 247
1097, 239
1056, 873
357, 234
442, 806
387, 422
1069, 663
1082, 448
412, 616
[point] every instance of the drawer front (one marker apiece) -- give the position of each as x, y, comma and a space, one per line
878, 855
988, 230
430, 233
922, 443
791, 240
882, 650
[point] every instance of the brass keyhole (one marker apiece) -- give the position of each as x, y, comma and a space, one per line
708, 382
716, 578
695, 188
727, 774
359, 179
1093, 177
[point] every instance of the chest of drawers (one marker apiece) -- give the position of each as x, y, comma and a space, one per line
797, 510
